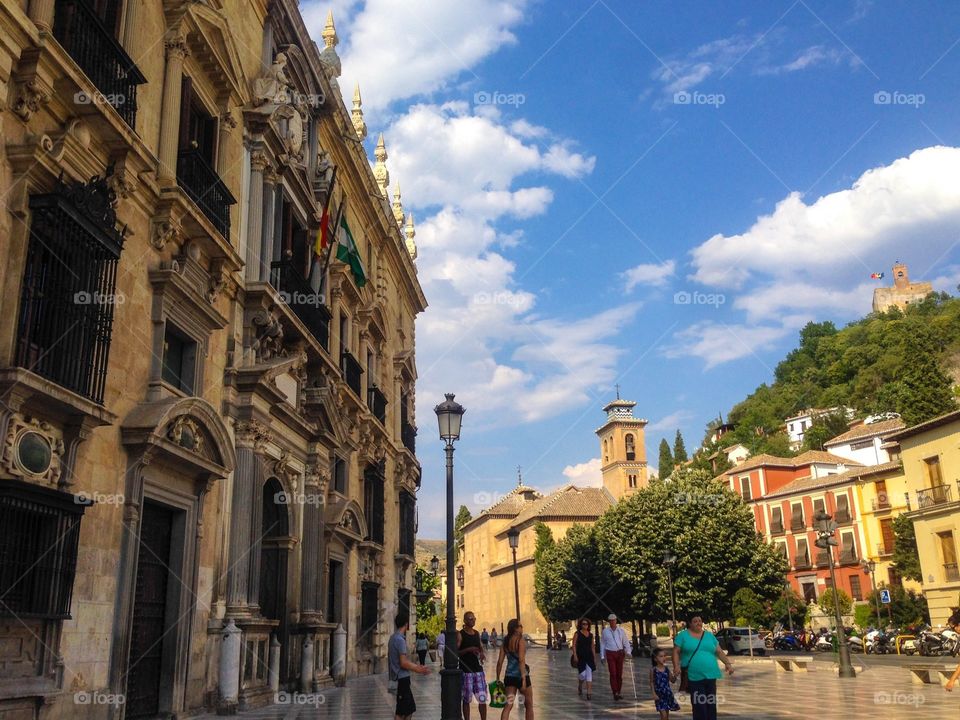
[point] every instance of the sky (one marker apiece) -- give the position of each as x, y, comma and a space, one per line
652, 194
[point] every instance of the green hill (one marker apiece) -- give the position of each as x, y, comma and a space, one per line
907, 363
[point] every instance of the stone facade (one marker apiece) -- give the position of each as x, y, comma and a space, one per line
903, 292
208, 476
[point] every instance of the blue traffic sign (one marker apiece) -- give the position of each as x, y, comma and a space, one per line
885, 597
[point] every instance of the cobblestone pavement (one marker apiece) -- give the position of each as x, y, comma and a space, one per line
755, 691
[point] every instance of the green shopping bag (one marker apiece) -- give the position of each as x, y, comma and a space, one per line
498, 694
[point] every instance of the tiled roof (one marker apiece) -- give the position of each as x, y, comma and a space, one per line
865, 431
806, 458
809, 483
569, 501
510, 505
924, 426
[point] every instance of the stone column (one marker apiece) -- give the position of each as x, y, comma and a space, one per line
229, 670
271, 180
306, 665
131, 24
311, 553
258, 163
273, 673
339, 668
245, 482
176, 49
41, 12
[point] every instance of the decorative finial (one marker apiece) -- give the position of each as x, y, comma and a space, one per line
397, 206
519, 477
328, 56
380, 172
356, 115
618, 391
410, 232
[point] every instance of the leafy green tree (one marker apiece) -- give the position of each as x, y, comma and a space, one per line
906, 557
790, 604
710, 531
926, 388
906, 608
679, 450
747, 608
665, 463
825, 427
434, 625
431, 582
462, 518
832, 597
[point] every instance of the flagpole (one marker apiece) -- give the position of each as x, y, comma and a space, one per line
333, 240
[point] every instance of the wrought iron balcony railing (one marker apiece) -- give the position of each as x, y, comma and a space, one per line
797, 523
842, 516
377, 402
408, 435
823, 560
849, 558
78, 28
880, 503
776, 528
202, 184
936, 495
351, 371
950, 572
802, 563
305, 302
884, 550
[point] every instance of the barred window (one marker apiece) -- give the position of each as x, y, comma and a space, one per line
39, 532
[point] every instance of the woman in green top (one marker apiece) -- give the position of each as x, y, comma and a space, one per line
696, 650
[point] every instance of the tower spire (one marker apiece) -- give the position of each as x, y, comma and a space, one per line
410, 232
397, 205
356, 115
380, 172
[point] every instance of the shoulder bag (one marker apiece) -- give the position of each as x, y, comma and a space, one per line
684, 675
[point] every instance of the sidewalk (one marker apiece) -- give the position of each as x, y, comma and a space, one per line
755, 691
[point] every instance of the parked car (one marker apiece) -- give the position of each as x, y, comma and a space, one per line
738, 640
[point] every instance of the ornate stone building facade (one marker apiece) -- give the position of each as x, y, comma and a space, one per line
208, 474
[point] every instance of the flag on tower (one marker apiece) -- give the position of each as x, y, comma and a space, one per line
876, 276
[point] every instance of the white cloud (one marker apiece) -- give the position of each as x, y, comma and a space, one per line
400, 49
811, 57
911, 205
671, 422
772, 300
654, 275
718, 343
585, 474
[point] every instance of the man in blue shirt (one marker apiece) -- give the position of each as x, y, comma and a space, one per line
401, 667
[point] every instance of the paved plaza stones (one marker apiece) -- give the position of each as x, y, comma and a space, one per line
755, 691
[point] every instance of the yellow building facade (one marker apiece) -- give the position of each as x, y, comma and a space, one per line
930, 453
623, 450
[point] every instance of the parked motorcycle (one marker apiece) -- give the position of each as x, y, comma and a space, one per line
824, 642
879, 642
787, 641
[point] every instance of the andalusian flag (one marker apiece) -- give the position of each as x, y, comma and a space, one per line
348, 253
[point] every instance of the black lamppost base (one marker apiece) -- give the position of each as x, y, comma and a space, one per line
451, 694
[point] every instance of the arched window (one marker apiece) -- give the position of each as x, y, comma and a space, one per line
630, 447
606, 455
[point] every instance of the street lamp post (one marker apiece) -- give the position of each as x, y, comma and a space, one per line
513, 535
870, 568
826, 527
669, 559
449, 416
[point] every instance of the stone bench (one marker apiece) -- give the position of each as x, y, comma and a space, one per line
930, 673
793, 663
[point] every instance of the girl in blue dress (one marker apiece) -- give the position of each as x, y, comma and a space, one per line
660, 682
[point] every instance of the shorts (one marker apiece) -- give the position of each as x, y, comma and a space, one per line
405, 702
511, 681
586, 675
474, 685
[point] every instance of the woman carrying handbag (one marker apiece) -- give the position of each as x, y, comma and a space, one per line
695, 652
583, 658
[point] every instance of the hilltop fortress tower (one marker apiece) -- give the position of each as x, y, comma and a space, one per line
902, 293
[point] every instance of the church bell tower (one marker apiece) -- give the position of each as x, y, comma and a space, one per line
623, 450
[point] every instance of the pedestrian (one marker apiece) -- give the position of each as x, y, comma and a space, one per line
401, 667
422, 646
517, 677
613, 650
493, 637
584, 658
470, 652
954, 622
660, 678
696, 650
441, 646
485, 638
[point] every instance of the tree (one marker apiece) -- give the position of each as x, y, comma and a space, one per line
710, 531
926, 388
832, 597
825, 427
665, 464
906, 608
906, 557
790, 604
679, 450
431, 582
463, 517
747, 608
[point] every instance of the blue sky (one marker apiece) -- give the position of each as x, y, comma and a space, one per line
577, 170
